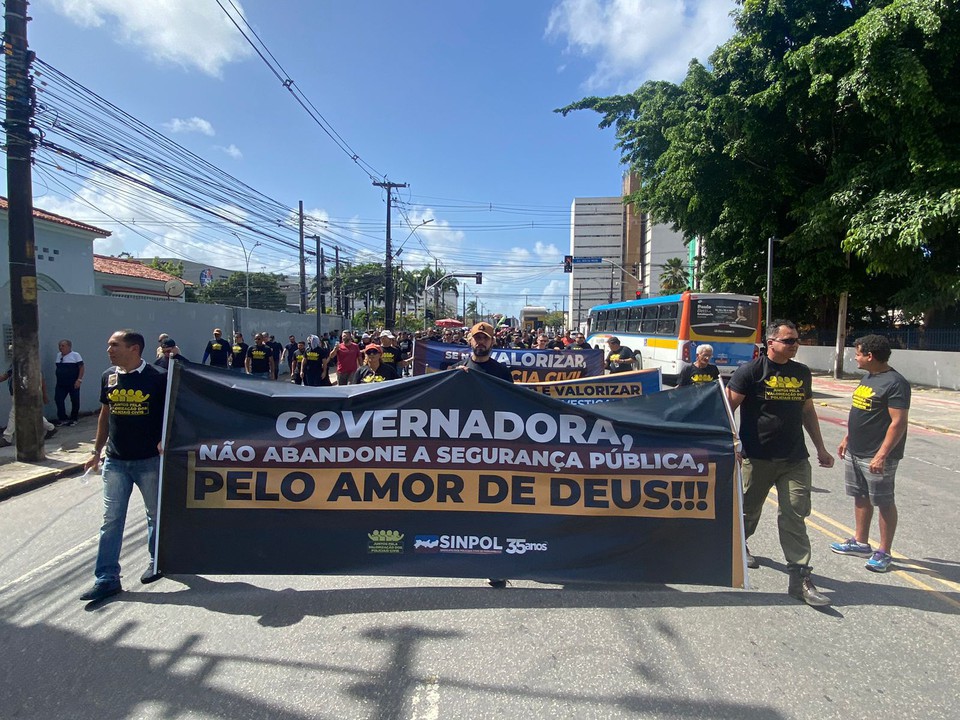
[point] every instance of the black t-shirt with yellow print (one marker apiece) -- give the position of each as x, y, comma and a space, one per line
693, 375
136, 411
260, 358
218, 350
771, 416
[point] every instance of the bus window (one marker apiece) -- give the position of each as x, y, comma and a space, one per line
623, 316
601, 325
667, 324
636, 314
648, 326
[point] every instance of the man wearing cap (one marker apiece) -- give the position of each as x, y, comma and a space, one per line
391, 354
217, 350
169, 352
481, 343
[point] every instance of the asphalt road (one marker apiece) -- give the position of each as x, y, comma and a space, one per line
378, 648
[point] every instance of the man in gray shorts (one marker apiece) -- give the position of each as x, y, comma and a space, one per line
872, 448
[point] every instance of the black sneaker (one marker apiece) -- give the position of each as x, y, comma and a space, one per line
50, 433
752, 562
149, 575
497, 583
4, 442
70, 423
101, 591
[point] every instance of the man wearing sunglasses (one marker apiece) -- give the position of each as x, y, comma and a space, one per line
776, 400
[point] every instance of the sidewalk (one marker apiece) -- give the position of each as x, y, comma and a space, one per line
930, 408
66, 453
69, 449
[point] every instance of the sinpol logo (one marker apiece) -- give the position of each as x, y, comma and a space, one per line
519, 546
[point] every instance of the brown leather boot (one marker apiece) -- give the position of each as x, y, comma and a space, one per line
802, 588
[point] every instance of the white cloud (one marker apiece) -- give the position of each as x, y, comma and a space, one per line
633, 41
194, 124
231, 150
188, 33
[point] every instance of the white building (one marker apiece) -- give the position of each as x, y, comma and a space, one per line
617, 252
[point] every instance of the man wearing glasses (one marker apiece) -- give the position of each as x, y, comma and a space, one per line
776, 400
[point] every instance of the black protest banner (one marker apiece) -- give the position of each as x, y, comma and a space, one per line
527, 366
453, 474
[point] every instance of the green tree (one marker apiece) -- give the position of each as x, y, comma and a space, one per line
556, 319
265, 293
674, 276
830, 124
168, 266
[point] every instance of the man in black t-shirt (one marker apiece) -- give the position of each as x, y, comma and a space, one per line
620, 358
579, 342
873, 447
775, 398
481, 342
260, 358
130, 427
289, 352
700, 370
218, 350
238, 353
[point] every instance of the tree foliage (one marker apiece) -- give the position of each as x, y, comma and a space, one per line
265, 292
830, 124
674, 276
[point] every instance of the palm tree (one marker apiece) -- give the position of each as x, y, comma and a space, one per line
675, 276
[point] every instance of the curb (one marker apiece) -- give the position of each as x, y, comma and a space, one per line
19, 487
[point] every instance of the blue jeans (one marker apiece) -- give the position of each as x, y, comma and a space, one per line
119, 477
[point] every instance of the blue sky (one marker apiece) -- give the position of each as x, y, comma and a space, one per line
454, 98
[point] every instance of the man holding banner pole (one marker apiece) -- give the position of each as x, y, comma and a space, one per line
481, 343
776, 399
130, 427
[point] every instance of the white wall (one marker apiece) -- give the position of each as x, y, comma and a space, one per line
923, 367
64, 254
89, 320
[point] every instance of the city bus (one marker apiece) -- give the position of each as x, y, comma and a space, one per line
665, 331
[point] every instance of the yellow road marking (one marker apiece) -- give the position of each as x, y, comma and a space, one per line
900, 570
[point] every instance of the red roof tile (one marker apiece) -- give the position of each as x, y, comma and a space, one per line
59, 220
129, 268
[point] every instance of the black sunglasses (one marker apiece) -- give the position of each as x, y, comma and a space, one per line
786, 341
373, 352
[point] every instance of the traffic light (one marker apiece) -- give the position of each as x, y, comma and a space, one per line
480, 278
568, 263
639, 294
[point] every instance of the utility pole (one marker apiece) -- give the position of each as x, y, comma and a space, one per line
337, 289
303, 266
389, 317
24, 312
322, 282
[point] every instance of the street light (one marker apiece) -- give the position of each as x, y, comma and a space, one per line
246, 257
417, 227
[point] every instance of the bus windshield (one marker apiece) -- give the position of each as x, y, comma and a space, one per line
713, 317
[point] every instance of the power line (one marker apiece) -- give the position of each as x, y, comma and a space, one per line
298, 94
